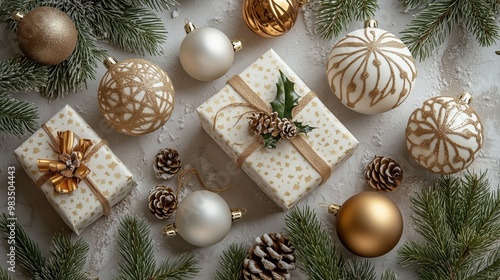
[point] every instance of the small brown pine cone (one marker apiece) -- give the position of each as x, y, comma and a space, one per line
167, 163
262, 122
383, 174
287, 129
271, 258
162, 201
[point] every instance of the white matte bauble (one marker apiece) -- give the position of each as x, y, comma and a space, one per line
445, 134
206, 53
370, 70
203, 218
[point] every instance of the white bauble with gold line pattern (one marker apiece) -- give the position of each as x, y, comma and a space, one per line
370, 70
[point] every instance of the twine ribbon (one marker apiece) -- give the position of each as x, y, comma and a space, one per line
254, 101
185, 176
66, 172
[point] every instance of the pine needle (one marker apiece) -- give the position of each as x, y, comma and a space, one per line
4, 275
433, 25
16, 116
334, 16
138, 262
21, 74
314, 247
459, 220
231, 263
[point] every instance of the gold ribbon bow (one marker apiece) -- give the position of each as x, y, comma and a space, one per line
304, 148
69, 169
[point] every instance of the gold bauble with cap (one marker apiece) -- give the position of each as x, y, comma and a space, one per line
445, 134
206, 53
368, 224
271, 18
135, 96
46, 35
370, 70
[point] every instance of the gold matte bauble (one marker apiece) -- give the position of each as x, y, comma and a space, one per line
270, 18
370, 70
445, 134
46, 35
369, 224
135, 96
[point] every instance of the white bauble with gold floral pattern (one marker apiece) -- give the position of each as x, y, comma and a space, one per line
135, 96
370, 70
445, 134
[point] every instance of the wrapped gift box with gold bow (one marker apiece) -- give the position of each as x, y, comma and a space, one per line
75, 169
299, 162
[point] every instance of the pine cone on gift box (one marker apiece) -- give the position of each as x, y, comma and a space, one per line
271, 258
263, 123
384, 174
287, 129
162, 201
167, 163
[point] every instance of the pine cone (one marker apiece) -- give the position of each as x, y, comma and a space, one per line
167, 163
270, 258
263, 123
162, 201
287, 129
384, 174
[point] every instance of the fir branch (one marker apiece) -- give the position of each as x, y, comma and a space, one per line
138, 262
4, 275
21, 74
142, 39
460, 222
433, 25
16, 116
356, 269
334, 16
388, 275
231, 263
67, 259
314, 247
185, 267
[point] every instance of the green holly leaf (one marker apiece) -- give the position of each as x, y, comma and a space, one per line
286, 97
270, 141
304, 129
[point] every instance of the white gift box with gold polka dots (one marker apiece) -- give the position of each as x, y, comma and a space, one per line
282, 173
81, 207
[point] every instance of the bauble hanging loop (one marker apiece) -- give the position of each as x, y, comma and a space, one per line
206, 53
271, 18
368, 224
203, 218
445, 134
46, 35
135, 96
370, 70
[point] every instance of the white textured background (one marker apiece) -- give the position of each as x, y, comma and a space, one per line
460, 65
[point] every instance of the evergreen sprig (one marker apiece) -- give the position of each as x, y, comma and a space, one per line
4, 275
127, 24
430, 28
67, 258
231, 263
334, 16
459, 220
316, 252
138, 262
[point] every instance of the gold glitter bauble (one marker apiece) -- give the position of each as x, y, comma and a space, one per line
370, 70
135, 96
369, 224
445, 134
46, 35
270, 18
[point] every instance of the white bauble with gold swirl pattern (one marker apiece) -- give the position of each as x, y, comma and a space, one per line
370, 70
445, 134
